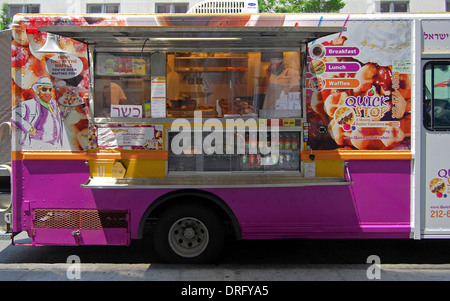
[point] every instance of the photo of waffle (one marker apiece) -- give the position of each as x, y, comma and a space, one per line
317, 83
437, 186
345, 117
70, 99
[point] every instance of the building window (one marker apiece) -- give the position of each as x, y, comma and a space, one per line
23, 9
393, 6
102, 8
171, 8
447, 6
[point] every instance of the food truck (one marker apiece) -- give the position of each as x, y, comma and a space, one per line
187, 127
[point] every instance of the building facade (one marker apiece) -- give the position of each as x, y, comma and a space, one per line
99, 6
391, 6
182, 6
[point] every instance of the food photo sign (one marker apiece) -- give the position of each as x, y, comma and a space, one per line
359, 88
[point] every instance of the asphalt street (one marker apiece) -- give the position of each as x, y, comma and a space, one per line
272, 260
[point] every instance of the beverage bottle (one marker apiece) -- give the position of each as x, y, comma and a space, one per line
252, 160
281, 161
282, 142
294, 142
244, 161
287, 142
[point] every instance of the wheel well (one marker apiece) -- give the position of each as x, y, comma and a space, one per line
190, 196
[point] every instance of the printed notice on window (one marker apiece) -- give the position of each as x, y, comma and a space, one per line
401, 66
158, 101
144, 137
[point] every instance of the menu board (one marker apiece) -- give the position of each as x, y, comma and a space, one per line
116, 64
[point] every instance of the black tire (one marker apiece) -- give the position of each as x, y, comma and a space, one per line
189, 233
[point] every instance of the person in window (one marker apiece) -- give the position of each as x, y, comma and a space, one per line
281, 78
39, 119
112, 95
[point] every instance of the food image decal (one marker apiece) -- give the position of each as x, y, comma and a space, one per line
438, 187
49, 90
359, 88
345, 117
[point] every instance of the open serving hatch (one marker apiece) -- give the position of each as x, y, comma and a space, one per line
158, 38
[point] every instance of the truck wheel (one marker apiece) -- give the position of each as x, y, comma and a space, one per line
189, 233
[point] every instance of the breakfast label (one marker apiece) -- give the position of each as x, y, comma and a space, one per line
341, 51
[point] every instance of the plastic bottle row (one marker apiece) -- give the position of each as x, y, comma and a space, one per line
274, 161
286, 141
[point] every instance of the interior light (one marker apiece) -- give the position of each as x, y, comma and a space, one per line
195, 39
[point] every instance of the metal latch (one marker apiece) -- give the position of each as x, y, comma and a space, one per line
8, 218
76, 233
347, 171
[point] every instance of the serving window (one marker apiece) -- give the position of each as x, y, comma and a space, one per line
121, 84
220, 84
437, 95
227, 84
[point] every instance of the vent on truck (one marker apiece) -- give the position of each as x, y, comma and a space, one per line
224, 7
80, 219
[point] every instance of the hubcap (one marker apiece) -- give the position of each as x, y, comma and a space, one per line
188, 237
